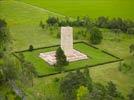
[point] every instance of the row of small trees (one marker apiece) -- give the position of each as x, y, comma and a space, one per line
79, 86
116, 24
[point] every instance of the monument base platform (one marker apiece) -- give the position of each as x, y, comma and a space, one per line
50, 58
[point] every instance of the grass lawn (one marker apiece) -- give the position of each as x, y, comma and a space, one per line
92, 8
117, 44
23, 22
95, 57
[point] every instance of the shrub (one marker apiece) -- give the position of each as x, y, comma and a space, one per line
71, 82
131, 47
130, 30
96, 36
56, 79
102, 22
52, 20
116, 30
31, 48
1, 54
61, 58
3, 23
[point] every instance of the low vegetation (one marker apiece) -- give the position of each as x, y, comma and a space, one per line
61, 58
27, 25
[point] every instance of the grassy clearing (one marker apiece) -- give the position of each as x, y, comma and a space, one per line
92, 8
117, 44
95, 57
23, 21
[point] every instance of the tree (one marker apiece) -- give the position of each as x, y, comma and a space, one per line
102, 22
61, 59
98, 92
31, 48
131, 95
82, 93
131, 47
96, 36
3, 23
111, 89
71, 83
118, 23
4, 34
52, 21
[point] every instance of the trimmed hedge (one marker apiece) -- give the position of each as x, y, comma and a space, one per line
87, 66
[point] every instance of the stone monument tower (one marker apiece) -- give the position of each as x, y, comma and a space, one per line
67, 46
67, 40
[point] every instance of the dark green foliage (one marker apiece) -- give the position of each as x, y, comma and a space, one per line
3, 23
118, 24
56, 79
71, 83
98, 92
131, 47
131, 95
88, 77
61, 58
65, 22
111, 89
9, 67
130, 30
31, 48
96, 36
1, 53
102, 22
52, 20
4, 34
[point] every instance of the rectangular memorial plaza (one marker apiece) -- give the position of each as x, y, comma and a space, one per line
95, 57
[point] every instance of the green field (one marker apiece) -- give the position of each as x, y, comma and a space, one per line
23, 18
91, 8
23, 22
95, 56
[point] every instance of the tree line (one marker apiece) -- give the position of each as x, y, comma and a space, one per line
115, 24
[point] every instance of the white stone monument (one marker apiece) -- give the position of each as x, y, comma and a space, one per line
67, 40
67, 46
